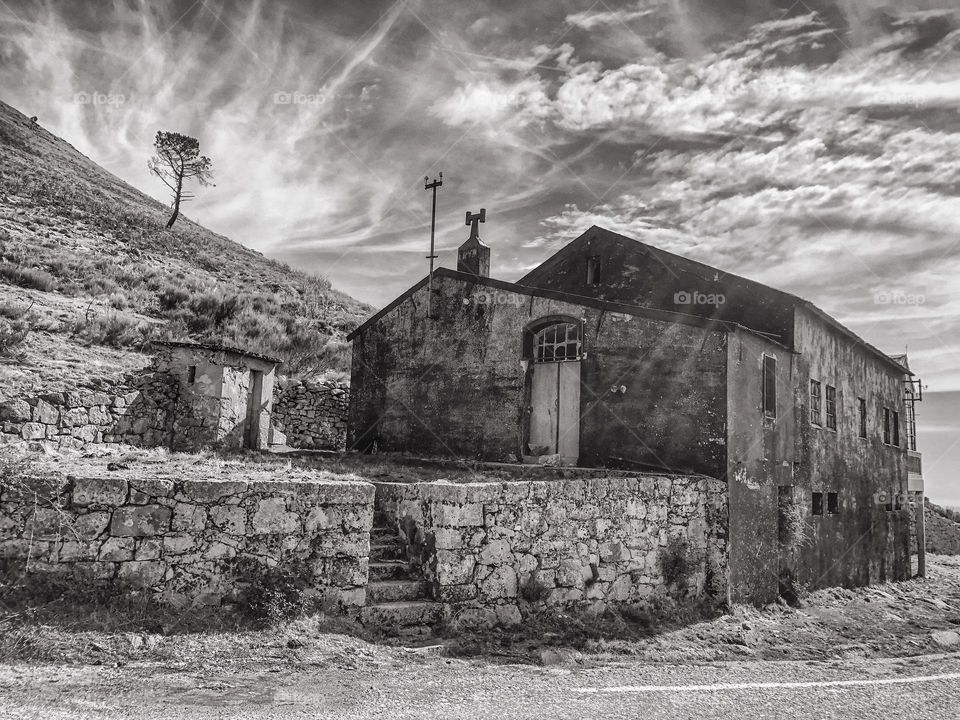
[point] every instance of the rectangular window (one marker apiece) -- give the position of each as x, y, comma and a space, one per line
889, 504
818, 503
815, 402
886, 426
769, 386
896, 428
191, 374
833, 503
831, 407
862, 416
910, 425
593, 270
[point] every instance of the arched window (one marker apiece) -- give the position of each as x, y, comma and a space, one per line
557, 342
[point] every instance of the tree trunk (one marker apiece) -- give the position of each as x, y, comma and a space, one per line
176, 201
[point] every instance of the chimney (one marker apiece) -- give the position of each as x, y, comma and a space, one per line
474, 256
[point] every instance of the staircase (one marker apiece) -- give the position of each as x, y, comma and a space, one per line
397, 600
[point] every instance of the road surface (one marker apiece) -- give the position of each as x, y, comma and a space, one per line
437, 687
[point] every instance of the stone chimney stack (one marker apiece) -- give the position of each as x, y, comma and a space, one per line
474, 256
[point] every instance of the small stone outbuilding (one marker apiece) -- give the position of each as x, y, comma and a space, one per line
225, 397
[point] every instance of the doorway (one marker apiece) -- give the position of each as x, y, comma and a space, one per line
251, 433
554, 428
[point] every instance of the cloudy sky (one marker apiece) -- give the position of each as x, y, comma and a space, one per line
813, 145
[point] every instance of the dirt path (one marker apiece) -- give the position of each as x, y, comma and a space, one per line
845, 653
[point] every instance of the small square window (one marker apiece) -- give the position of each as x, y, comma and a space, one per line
191, 374
833, 503
818, 503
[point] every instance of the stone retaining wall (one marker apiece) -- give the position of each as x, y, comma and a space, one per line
139, 413
185, 539
312, 414
486, 546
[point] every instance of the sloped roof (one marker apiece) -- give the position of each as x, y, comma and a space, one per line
218, 348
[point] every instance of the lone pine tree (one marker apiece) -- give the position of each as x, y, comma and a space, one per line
178, 159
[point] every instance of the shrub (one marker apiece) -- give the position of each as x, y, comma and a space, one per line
274, 594
13, 333
27, 277
114, 330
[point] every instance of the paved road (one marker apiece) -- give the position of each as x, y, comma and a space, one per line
420, 687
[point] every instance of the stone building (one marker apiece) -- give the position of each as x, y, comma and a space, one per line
614, 353
225, 395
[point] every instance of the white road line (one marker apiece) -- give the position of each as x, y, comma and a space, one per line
767, 685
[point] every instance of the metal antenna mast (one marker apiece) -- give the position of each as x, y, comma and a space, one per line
432, 185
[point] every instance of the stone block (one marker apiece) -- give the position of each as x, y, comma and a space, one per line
99, 491
15, 410
100, 416
73, 417
207, 491
73, 550
570, 574
47, 524
348, 572
454, 569
178, 544
142, 573
232, 519
219, 551
455, 593
116, 549
44, 412
188, 517
450, 539
90, 525
496, 552
33, 431
272, 517
500, 583
450, 515
140, 521
150, 549
508, 615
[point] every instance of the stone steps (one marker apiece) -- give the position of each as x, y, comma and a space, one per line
386, 551
403, 614
389, 570
387, 591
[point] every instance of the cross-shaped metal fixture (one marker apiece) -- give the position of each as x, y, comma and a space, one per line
473, 219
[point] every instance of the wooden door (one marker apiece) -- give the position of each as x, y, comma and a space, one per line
251, 434
545, 408
555, 412
568, 414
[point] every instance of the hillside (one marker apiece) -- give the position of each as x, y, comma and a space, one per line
89, 275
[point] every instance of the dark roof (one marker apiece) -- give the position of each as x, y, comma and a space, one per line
636, 310
685, 264
217, 348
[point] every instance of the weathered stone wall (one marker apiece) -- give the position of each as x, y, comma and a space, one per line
139, 412
943, 534
312, 414
485, 546
183, 539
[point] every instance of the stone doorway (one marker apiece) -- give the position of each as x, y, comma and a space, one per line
554, 425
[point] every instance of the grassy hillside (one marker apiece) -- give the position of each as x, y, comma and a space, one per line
94, 252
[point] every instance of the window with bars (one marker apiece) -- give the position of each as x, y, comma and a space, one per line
557, 343
816, 402
831, 407
910, 425
862, 413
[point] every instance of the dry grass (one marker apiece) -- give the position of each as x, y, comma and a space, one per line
202, 285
